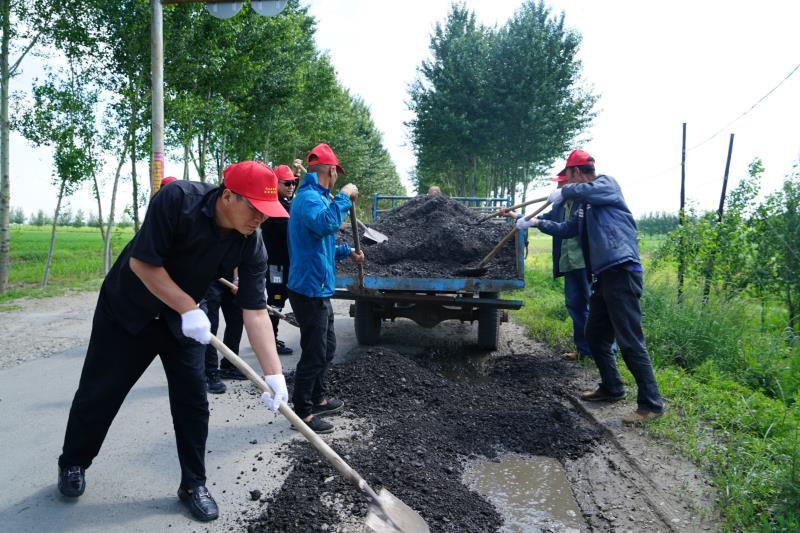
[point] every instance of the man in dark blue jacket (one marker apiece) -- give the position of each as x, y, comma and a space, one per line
568, 262
607, 233
315, 219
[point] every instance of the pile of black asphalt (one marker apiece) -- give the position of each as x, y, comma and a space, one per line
421, 427
434, 237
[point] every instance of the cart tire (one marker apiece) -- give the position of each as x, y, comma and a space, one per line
488, 326
367, 324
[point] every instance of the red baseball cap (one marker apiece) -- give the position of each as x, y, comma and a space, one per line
258, 183
168, 179
577, 158
325, 156
284, 173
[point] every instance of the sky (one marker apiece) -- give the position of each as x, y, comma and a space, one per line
654, 66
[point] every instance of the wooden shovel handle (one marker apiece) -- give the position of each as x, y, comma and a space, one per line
517, 206
357, 242
322, 447
271, 310
508, 236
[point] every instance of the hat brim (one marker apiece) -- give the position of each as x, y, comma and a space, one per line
271, 208
559, 178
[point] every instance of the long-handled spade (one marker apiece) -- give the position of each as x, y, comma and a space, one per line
480, 268
288, 318
500, 211
387, 514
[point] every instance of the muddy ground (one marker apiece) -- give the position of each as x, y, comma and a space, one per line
434, 237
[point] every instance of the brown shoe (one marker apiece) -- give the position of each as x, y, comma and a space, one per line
600, 395
640, 417
571, 356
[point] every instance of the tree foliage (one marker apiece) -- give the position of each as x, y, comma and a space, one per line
495, 107
754, 248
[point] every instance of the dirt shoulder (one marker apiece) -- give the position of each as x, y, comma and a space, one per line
38, 327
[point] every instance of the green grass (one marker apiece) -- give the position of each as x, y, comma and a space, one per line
733, 389
77, 259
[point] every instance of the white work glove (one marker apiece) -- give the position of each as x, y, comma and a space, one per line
195, 325
277, 383
555, 197
523, 224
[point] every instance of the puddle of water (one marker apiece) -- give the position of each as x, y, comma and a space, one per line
531, 493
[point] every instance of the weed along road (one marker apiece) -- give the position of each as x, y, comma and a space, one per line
472, 440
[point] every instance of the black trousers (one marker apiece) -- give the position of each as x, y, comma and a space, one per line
114, 362
318, 345
219, 297
277, 293
614, 311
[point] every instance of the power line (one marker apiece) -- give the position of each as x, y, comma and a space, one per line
723, 128
795, 69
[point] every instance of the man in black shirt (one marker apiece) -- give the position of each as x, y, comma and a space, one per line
274, 233
192, 234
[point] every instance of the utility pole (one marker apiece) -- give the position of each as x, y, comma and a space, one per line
157, 88
682, 220
220, 9
710, 264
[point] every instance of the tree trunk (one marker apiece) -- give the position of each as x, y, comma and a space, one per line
99, 207
5, 178
107, 242
790, 304
186, 158
132, 137
49, 259
474, 176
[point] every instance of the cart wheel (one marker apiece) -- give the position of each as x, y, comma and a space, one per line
367, 323
488, 325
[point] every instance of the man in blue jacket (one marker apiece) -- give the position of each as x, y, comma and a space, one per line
607, 233
315, 219
568, 263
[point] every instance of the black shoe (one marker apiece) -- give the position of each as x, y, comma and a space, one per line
231, 372
200, 503
72, 481
601, 395
332, 406
283, 349
318, 425
213, 384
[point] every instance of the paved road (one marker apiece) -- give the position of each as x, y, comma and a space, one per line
131, 486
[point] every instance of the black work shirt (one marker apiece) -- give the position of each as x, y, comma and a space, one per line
179, 234
274, 231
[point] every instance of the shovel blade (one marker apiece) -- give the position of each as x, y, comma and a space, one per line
290, 319
401, 517
375, 236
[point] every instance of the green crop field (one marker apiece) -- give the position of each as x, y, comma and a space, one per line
77, 259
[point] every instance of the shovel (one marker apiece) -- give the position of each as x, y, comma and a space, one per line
288, 318
480, 268
387, 513
372, 234
510, 208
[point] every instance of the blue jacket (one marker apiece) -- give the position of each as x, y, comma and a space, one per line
313, 223
605, 227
